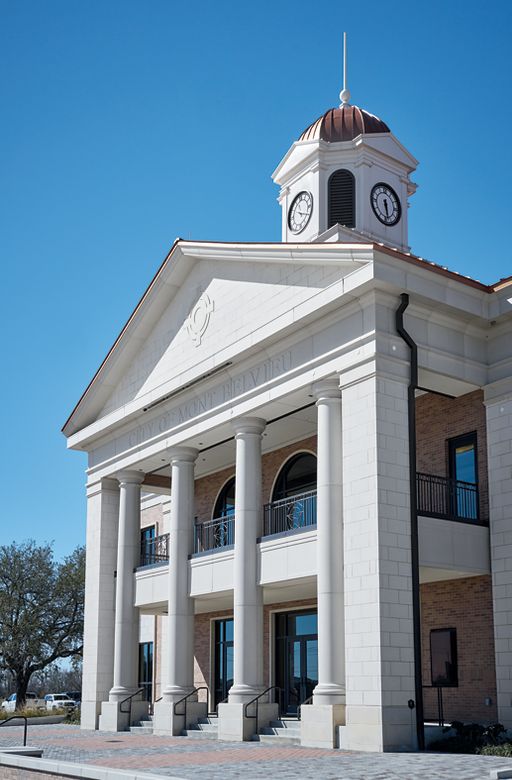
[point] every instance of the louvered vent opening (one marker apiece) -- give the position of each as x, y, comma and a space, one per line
341, 192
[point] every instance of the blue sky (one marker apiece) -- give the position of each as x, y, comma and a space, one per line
128, 123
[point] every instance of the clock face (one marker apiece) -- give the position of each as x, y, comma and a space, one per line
385, 204
300, 212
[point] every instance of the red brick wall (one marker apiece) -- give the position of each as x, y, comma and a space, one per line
208, 488
439, 419
465, 605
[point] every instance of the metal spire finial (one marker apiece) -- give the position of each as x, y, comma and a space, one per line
345, 92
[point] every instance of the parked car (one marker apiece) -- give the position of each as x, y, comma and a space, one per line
59, 701
32, 702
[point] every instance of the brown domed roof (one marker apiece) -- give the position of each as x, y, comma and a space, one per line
344, 124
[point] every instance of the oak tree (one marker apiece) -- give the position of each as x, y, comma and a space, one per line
41, 610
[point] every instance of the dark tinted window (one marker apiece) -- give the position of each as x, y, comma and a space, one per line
443, 657
225, 504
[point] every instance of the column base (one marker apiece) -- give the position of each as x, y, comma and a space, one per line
241, 694
89, 713
112, 719
319, 725
167, 723
234, 726
379, 729
329, 694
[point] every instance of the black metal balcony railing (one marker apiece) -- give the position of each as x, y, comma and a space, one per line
214, 534
154, 550
447, 498
290, 513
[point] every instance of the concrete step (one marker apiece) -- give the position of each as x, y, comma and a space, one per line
280, 732
196, 733
273, 739
142, 729
285, 723
211, 719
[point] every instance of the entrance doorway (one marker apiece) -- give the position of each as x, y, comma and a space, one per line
223, 659
296, 658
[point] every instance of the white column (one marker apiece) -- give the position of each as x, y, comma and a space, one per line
248, 598
102, 524
180, 660
498, 402
331, 611
127, 615
378, 576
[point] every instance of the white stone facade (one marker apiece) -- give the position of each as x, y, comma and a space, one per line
234, 352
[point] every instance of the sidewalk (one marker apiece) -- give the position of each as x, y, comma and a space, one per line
198, 759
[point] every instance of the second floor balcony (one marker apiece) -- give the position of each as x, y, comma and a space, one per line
449, 499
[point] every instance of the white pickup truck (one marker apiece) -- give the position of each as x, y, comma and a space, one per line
59, 701
32, 702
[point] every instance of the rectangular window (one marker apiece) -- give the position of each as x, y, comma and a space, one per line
147, 545
464, 472
443, 657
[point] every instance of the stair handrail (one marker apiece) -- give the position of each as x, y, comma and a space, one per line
25, 725
129, 699
184, 700
256, 701
301, 705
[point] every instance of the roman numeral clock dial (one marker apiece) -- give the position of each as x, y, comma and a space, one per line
385, 204
300, 212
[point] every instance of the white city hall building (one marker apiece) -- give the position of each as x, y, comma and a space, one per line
299, 483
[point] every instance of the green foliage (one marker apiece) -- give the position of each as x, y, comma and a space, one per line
27, 712
470, 738
505, 750
41, 609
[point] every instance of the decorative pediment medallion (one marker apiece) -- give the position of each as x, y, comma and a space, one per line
199, 318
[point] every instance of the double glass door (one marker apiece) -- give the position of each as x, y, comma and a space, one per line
296, 657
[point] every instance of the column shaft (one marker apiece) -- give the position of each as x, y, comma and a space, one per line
248, 598
102, 526
127, 615
180, 666
331, 613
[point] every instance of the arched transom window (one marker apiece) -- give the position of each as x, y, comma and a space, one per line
225, 504
298, 475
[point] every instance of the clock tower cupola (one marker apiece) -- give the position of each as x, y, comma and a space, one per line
346, 178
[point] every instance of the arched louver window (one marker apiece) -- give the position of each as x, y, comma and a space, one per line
342, 199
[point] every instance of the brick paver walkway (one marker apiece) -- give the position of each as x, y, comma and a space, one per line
198, 759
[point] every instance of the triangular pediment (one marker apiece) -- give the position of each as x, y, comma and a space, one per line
208, 304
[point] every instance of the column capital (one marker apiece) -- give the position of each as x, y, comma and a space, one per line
182, 454
249, 425
326, 388
130, 477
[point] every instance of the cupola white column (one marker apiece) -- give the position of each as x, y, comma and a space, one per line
180, 662
248, 597
127, 615
331, 612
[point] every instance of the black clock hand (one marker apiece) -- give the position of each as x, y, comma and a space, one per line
386, 207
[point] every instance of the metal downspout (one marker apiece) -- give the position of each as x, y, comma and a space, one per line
415, 562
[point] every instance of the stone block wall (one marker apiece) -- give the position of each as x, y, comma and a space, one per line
438, 419
466, 605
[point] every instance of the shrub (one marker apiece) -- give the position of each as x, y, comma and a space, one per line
470, 738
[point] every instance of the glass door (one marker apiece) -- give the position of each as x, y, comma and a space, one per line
223, 659
296, 661
146, 669
463, 469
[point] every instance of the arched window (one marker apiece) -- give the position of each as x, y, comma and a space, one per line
225, 504
341, 196
298, 475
